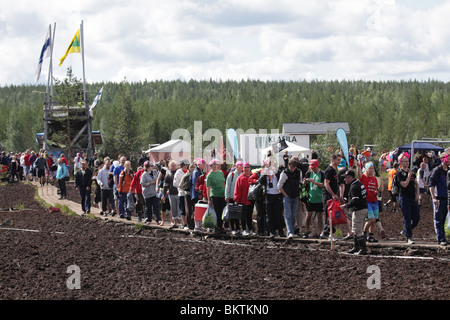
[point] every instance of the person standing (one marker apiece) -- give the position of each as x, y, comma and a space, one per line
230, 186
41, 165
179, 174
215, 192
61, 173
330, 190
83, 183
289, 186
123, 187
170, 193
241, 197
314, 182
357, 206
136, 189
106, 189
273, 200
408, 198
439, 194
148, 183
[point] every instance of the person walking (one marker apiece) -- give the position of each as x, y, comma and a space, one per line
439, 194
61, 173
83, 183
408, 198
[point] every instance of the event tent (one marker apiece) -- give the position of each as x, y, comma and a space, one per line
421, 146
293, 150
172, 149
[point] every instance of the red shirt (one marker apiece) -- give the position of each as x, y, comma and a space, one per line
135, 186
241, 190
27, 160
371, 185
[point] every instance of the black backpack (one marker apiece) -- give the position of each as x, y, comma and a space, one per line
395, 186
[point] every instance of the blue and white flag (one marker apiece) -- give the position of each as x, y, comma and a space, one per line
45, 53
97, 99
342, 139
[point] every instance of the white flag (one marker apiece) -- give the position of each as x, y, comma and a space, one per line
97, 99
45, 53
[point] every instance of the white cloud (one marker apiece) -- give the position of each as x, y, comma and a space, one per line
231, 39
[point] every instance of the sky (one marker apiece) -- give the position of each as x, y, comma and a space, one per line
268, 40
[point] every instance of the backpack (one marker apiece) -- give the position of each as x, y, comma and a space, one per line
395, 186
186, 182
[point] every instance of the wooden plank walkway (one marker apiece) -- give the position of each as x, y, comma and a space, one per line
50, 195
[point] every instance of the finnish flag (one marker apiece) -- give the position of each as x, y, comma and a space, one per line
97, 99
45, 53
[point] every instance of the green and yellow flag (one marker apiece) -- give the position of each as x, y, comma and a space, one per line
74, 46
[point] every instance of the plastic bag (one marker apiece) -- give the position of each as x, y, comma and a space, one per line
209, 218
226, 214
336, 213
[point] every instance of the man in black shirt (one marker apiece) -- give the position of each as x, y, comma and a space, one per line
83, 183
408, 198
357, 205
330, 190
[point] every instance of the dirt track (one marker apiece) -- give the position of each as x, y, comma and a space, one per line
115, 263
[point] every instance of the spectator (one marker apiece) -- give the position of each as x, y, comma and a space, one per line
314, 179
186, 185
148, 183
439, 194
123, 187
273, 200
106, 189
77, 163
259, 203
170, 192
370, 182
357, 206
240, 197
61, 174
136, 189
41, 166
165, 205
408, 197
215, 192
179, 174
330, 190
116, 169
392, 198
83, 183
14, 169
229, 194
289, 186
423, 186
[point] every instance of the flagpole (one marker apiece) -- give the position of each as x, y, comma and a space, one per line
88, 114
47, 99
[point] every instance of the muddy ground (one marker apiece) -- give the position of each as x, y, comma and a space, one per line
116, 262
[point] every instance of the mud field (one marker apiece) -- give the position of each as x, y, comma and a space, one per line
115, 261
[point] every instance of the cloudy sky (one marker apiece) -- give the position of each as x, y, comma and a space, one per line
230, 39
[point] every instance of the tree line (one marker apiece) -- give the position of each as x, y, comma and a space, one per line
132, 115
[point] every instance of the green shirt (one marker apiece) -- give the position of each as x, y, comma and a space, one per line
315, 193
216, 180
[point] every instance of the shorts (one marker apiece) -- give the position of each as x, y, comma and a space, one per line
41, 173
27, 170
358, 220
314, 207
373, 210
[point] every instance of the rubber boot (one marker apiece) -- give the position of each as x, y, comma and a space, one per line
363, 246
356, 247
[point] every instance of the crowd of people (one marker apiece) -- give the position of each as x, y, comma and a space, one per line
291, 200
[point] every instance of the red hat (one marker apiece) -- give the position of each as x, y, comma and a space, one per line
314, 163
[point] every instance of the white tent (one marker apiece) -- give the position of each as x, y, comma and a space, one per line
293, 150
172, 149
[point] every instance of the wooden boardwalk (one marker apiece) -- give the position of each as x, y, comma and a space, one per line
49, 194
